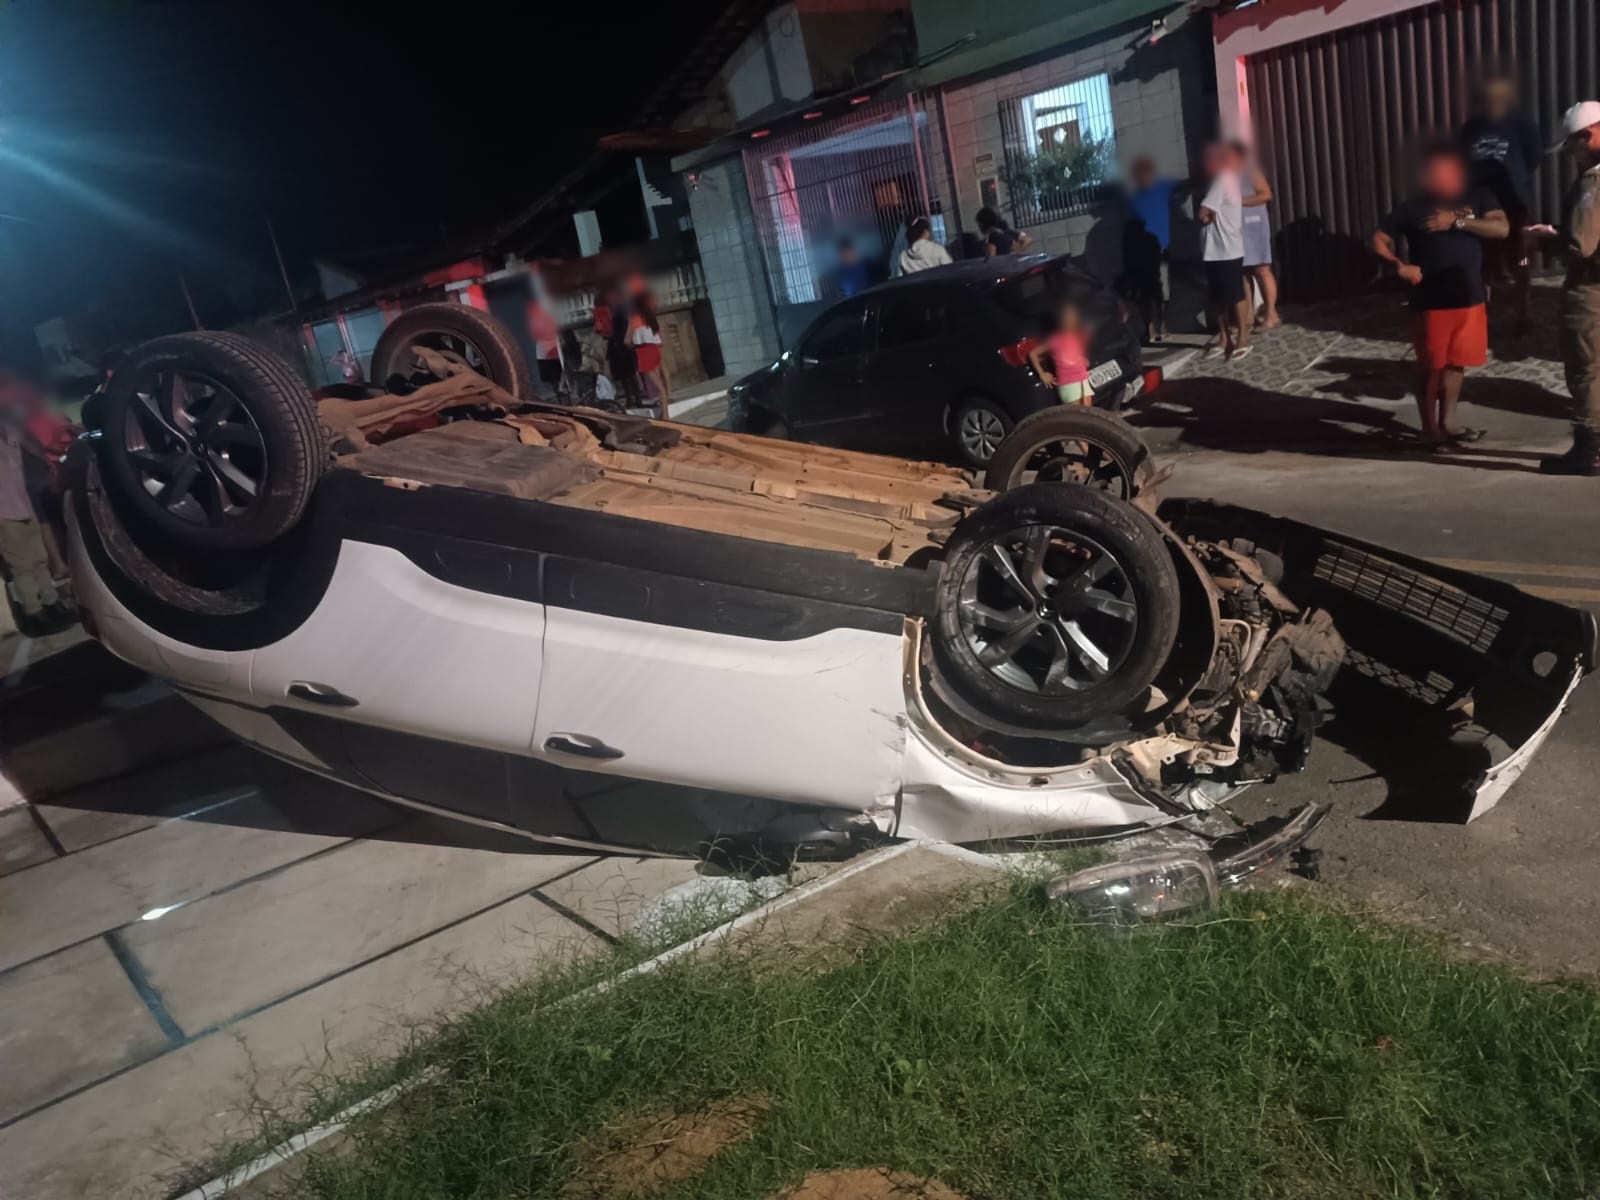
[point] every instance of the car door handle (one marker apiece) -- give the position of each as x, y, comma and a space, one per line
321, 693
580, 744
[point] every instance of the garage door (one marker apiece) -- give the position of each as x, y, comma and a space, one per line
1336, 116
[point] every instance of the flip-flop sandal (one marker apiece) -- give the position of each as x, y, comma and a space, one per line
1466, 436
1242, 352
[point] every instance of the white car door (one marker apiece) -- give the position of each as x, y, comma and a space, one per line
768, 696
394, 646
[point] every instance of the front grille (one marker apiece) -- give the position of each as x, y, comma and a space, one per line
1433, 689
1473, 622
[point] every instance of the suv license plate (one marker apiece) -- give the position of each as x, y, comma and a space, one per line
1106, 372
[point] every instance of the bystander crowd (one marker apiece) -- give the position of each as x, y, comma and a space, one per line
998, 237
1260, 283
1578, 240
1506, 151
22, 546
1147, 244
922, 253
1443, 223
1222, 246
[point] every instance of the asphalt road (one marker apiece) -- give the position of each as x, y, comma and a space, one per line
1523, 880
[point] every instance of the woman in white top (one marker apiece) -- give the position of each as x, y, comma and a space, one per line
921, 250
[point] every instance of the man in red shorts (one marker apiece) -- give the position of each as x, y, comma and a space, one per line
1443, 225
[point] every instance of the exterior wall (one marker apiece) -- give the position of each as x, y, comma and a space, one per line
731, 258
769, 68
1160, 106
838, 33
1248, 31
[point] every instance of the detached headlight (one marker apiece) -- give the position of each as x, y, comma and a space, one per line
1142, 889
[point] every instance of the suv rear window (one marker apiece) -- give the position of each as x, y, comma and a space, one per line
1040, 291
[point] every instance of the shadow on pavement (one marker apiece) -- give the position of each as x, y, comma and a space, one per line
61, 690
235, 785
1219, 413
1388, 380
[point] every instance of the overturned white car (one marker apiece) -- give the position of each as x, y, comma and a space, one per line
438, 590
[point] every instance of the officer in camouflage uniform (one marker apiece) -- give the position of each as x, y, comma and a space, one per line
1579, 242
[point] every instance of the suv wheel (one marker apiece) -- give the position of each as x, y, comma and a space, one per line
460, 333
211, 440
978, 427
1056, 606
1072, 445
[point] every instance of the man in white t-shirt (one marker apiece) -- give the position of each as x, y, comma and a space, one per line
1222, 243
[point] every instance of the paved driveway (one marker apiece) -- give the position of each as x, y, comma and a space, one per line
181, 944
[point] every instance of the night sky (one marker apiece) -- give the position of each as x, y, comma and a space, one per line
141, 136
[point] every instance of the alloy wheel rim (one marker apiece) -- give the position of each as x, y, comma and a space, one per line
981, 433
195, 449
1046, 610
1081, 461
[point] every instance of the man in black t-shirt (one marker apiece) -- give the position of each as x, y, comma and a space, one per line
1443, 224
1505, 151
1000, 238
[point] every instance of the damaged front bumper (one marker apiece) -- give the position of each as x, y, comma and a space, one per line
1451, 681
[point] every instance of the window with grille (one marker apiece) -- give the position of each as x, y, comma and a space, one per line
1060, 148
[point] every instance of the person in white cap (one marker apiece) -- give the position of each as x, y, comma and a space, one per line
1578, 240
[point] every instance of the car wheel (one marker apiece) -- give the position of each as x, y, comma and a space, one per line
777, 429
1072, 445
459, 332
1056, 606
978, 427
212, 440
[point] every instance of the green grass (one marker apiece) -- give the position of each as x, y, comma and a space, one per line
1281, 1048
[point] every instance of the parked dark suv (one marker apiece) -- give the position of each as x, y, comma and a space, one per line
937, 361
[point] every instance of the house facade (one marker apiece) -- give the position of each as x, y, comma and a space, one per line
1038, 113
1008, 105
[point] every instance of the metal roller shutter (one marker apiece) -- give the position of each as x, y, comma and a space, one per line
1335, 116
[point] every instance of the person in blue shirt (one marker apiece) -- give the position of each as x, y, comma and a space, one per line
1506, 150
854, 276
1147, 242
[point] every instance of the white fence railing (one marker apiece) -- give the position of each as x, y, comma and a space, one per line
676, 288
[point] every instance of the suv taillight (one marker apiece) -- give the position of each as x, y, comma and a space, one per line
1016, 354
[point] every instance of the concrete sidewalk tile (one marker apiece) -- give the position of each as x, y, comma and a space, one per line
113, 743
611, 893
22, 842
98, 812
221, 957
69, 1020
124, 1139
79, 828
57, 903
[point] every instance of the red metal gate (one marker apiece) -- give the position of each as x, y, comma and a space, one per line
1335, 116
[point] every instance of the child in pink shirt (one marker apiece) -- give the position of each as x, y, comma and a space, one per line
1068, 348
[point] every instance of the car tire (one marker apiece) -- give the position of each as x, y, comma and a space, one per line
486, 344
211, 440
777, 429
1056, 607
977, 427
1073, 445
